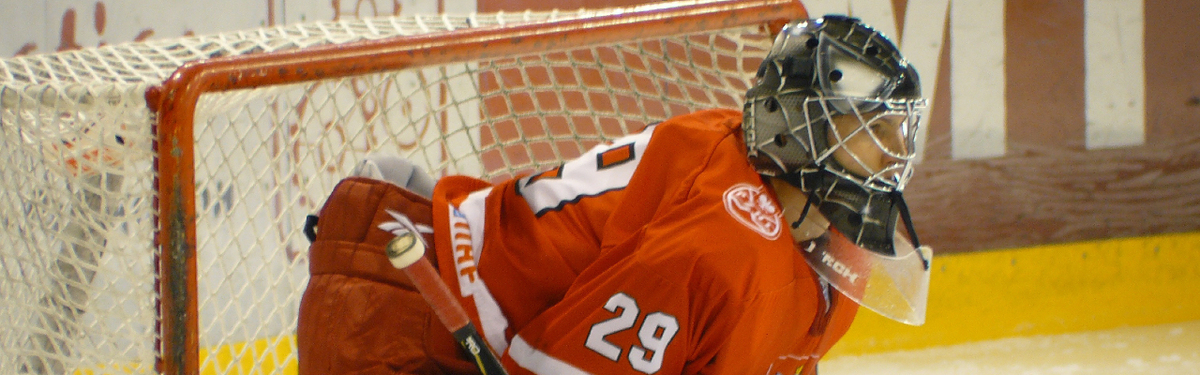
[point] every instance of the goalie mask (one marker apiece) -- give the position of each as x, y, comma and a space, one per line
834, 113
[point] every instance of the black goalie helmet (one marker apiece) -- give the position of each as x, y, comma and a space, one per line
834, 112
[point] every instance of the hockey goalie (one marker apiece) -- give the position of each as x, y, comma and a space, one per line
718, 242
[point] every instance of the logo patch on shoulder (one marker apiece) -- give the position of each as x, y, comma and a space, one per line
754, 208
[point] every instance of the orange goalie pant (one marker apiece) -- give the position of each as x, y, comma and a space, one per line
360, 315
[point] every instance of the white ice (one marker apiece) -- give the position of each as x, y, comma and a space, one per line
1169, 349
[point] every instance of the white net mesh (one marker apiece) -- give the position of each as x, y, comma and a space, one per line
78, 184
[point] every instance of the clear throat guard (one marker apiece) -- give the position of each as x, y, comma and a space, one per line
896, 287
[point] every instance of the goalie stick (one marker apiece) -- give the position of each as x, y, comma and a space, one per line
407, 253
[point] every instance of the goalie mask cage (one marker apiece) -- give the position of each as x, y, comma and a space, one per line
153, 194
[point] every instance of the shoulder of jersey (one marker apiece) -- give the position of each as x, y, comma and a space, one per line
720, 120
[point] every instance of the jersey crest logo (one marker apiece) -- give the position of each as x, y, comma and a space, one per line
755, 209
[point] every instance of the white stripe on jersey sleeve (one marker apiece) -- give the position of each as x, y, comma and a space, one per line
474, 211
492, 321
538, 362
581, 178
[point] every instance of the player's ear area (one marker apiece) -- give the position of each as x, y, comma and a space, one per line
803, 219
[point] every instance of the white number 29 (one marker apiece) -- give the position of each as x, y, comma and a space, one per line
655, 334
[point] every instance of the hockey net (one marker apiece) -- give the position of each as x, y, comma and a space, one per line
153, 194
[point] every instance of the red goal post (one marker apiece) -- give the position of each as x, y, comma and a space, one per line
241, 134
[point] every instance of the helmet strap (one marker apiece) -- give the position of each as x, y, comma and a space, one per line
912, 232
804, 213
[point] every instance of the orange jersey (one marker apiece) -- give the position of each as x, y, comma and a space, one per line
660, 253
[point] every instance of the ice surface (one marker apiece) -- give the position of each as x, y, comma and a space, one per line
1169, 349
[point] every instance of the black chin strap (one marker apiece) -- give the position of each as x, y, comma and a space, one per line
904, 215
804, 213
912, 232
798, 180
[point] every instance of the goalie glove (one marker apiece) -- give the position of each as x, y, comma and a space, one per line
403, 225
